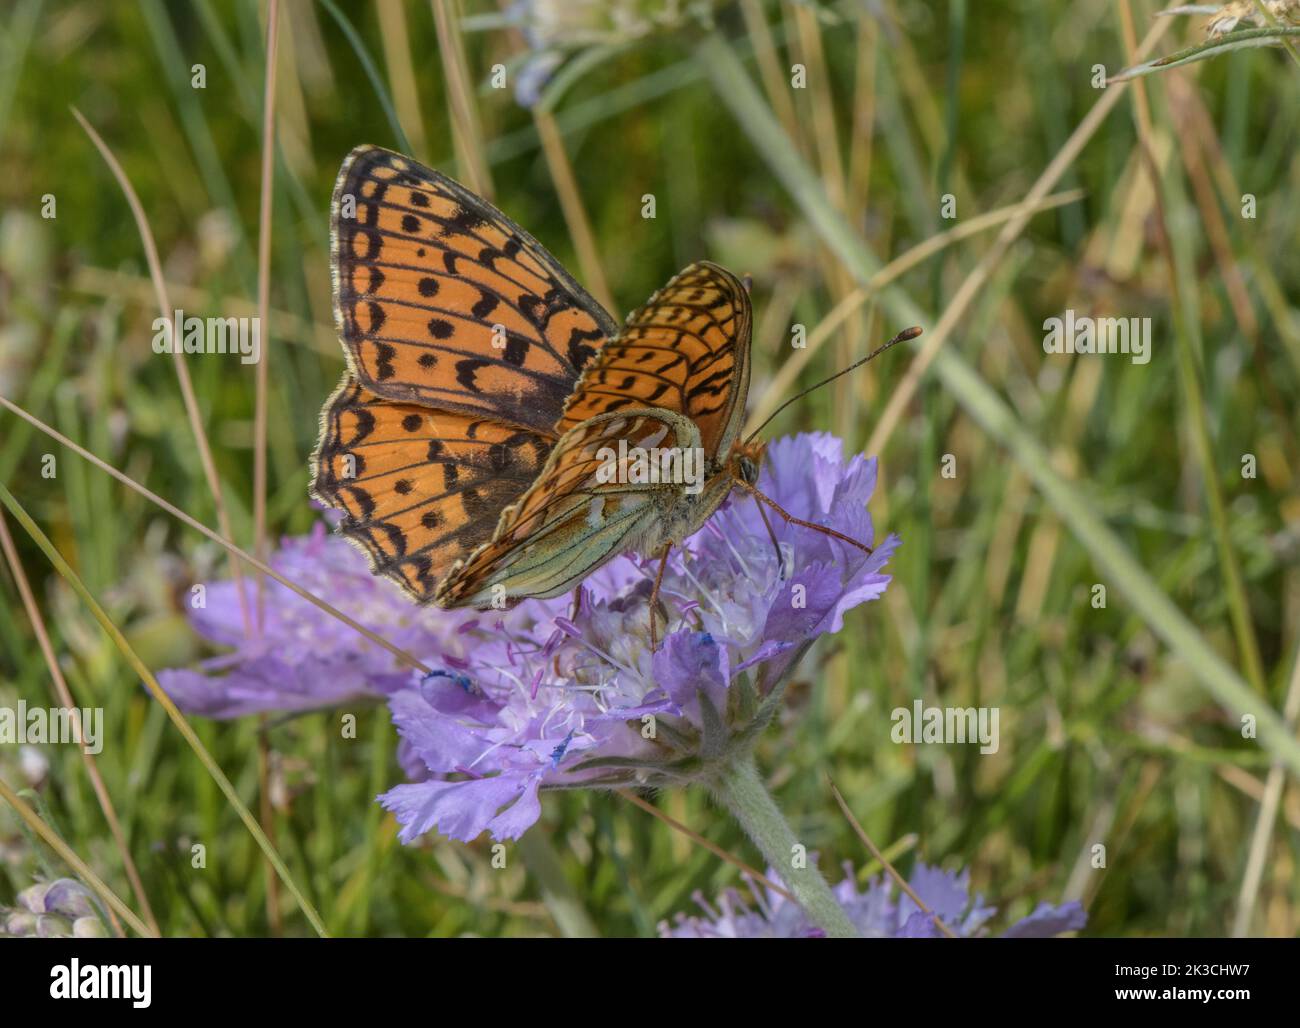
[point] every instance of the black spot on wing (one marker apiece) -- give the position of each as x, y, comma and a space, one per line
486, 305
467, 369
579, 352
465, 221
365, 424
384, 354
516, 351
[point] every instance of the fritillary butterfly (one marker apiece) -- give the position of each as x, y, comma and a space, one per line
464, 443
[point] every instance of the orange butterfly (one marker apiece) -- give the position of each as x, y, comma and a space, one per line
482, 444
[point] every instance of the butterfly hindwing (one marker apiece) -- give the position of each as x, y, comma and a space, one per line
420, 489
443, 301
582, 511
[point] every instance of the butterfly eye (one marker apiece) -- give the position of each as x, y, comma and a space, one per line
748, 470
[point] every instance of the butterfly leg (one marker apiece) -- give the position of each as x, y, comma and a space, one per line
576, 609
776, 547
792, 520
654, 595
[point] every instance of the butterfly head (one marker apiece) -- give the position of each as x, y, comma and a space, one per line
746, 459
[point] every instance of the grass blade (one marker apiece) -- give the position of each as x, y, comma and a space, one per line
173, 712
1246, 39
51, 837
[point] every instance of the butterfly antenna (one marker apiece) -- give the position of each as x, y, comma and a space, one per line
902, 337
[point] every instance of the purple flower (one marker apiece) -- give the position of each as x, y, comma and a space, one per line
61, 909
542, 697
303, 658
879, 911
550, 700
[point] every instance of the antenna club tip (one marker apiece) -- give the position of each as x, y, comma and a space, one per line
910, 333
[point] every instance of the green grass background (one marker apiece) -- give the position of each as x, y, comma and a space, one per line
1108, 735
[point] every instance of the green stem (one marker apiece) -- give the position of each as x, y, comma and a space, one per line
741, 790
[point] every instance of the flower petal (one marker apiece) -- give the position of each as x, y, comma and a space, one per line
1047, 921
462, 810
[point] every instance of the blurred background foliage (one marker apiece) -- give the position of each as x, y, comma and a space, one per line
1106, 735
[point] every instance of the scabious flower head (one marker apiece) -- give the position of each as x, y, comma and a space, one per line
878, 911
540, 696
551, 700
61, 909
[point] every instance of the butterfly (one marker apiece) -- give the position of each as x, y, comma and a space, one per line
483, 443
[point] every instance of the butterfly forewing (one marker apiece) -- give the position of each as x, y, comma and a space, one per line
420, 489
686, 350
442, 300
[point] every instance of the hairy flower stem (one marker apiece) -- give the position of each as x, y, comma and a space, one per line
740, 789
